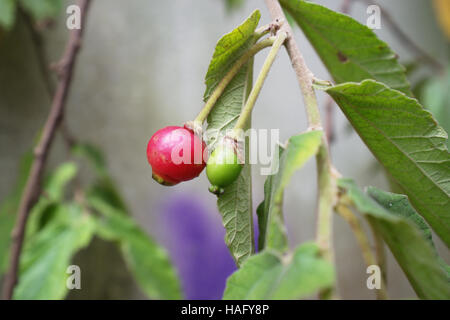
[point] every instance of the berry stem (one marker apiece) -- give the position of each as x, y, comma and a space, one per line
201, 117
262, 31
327, 190
247, 110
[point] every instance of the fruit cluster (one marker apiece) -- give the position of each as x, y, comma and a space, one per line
170, 144
177, 154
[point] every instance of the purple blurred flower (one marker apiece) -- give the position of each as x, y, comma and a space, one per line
194, 238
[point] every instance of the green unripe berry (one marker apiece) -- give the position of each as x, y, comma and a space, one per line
223, 167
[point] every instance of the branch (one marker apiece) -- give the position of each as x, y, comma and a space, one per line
304, 75
31, 192
326, 180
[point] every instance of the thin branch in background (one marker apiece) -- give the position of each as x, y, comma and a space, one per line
32, 187
406, 40
45, 69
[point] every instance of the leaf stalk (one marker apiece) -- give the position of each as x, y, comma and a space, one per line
247, 110
220, 88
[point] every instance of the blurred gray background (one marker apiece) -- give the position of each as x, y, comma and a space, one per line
142, 67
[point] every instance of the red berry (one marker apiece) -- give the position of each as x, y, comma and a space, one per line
175, 154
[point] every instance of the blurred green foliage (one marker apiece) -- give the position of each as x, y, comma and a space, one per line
7, 13
37, 9
66, 218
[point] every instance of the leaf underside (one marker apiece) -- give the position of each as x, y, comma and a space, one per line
407, 141
349, 50
406, 235
235, 204
399, 205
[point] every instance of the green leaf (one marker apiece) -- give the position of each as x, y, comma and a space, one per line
235, 208
54, 190
7, 13
43, 8
148, 262
269, 276
405, 236
104, 186
9, 207
349, 50
272, 230
262, 211
47, 255
42, 211
93, 154
228, 49
235, 204
407, 141
398, 204
41, 214
58, 179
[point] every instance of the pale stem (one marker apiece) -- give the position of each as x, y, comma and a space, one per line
201, 117
247, 110
326, 181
